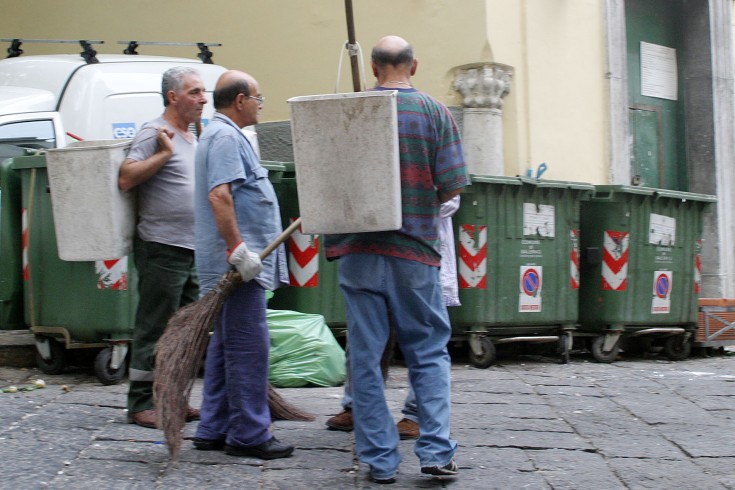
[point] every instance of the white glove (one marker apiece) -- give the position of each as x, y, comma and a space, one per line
247, 263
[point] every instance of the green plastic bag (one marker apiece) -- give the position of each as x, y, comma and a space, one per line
303, 351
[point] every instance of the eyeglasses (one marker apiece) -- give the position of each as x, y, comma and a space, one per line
258, 98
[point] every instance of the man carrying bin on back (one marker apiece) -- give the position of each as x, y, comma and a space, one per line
160, 165
398, 272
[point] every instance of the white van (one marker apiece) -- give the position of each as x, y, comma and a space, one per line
49, 101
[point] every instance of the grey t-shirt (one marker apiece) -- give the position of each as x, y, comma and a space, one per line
166, 200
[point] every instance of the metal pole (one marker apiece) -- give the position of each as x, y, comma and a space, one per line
352, 47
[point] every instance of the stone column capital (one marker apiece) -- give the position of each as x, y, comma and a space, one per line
483, 85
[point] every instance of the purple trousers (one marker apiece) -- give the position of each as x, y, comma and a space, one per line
235, 403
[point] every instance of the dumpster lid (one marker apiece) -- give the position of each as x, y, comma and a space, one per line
33, 161
274, 166
559, 184
495, 179
651, 191
518, 180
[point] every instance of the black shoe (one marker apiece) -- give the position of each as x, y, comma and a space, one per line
272, 449
383, 481
208, 444
450, 469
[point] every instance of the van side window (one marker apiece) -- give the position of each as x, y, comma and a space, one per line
15, 137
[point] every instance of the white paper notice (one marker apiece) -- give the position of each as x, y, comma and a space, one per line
662, 230
538, 220
658, 71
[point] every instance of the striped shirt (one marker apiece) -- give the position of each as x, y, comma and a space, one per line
431, 161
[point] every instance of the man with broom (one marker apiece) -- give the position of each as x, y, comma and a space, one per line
160, 165
398, 272
236, 216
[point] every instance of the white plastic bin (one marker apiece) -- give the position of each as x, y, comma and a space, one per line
93, 218
346, 161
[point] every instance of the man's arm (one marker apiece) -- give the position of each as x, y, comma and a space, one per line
247, 263
135, 172
223, 208
446, 196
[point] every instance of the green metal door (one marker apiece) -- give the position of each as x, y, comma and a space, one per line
658, 157
646, 157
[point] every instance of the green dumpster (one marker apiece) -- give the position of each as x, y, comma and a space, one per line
11, 283
640, 270
517, 241
314, 283
71, 305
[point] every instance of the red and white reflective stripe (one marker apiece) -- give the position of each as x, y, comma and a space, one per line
698, 268
303, 260
472, 257
574, 259
24, 240
112, 274
615, 261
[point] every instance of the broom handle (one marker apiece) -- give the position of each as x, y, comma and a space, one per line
281, 238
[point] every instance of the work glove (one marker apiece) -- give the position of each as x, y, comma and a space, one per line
247, 263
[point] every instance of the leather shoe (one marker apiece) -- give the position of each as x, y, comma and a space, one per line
192, 414
271, 449
407, 429
146, 418
342, 421
208, 444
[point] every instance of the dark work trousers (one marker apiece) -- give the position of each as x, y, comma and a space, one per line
167, 280
235, 403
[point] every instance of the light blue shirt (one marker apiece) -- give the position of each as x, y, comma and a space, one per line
224, 155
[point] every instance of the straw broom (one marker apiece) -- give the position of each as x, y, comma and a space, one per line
180, 350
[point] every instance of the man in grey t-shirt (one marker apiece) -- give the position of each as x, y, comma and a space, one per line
160, 165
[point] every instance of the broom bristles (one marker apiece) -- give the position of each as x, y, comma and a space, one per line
179, 354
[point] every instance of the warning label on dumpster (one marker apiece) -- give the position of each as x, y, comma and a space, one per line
529, 298
472, 257
112, 274
661, 303
303, 259
615, 260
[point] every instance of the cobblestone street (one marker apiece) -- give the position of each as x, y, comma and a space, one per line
527, 422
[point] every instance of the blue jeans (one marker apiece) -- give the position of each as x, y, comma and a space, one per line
235, 402
372, 286
409, 410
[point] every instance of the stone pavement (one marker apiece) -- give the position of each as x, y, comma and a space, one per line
527, 422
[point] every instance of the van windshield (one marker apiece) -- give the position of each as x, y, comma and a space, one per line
17, 136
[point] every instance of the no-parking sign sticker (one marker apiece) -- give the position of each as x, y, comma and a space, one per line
661, 302
531, 281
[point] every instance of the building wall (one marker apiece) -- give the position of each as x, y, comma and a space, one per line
557, 109
555, 113
292, 47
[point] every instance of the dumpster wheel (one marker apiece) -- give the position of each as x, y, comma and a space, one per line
57, 356
103, 371
565, 346
482, 351
678, 347
601, 355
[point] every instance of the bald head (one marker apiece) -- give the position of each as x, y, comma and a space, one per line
394, 51
229, 85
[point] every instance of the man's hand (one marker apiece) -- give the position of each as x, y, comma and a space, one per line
135, 172
165, 136
246, 262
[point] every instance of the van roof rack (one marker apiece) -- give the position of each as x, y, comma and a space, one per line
88, 53
204, 53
